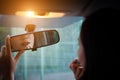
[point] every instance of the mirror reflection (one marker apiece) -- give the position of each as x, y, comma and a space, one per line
34, 40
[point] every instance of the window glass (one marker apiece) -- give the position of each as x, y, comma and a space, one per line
3, 33
51, 62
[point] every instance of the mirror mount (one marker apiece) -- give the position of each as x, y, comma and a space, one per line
31, 28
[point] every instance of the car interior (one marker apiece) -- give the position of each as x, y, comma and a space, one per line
65, 16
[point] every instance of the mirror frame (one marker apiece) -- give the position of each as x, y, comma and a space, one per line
34, 49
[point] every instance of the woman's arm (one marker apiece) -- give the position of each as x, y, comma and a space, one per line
7, 61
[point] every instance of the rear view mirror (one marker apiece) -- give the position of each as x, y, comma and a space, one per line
34, 40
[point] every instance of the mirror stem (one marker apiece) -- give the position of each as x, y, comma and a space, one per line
30, 28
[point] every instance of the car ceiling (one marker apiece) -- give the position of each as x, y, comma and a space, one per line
75, 7
72, 7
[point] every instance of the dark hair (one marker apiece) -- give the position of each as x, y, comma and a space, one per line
100, 38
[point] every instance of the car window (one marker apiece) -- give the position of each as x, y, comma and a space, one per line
51, 62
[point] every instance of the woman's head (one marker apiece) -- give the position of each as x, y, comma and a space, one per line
99, 37
100, 29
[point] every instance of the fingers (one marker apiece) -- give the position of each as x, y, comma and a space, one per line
77, 69
8, 46
79, 72
18, 55
3, 48
74, 66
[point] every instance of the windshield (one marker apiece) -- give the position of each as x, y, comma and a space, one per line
51, 62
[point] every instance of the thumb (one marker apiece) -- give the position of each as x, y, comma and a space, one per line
79, 72
18, 55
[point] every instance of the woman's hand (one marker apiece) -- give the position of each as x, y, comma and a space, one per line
7, 62
77, 69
